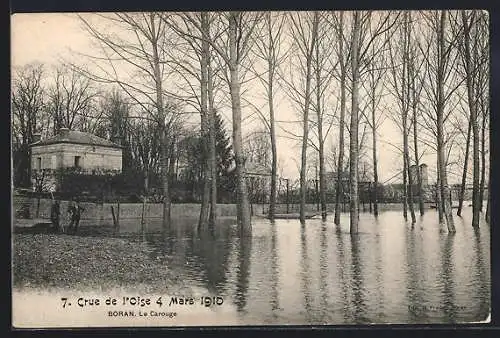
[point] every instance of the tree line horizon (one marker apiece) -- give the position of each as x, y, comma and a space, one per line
426, 71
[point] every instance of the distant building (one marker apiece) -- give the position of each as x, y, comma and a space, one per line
74, 149
331, 179
253, 169
423, 174
258, 180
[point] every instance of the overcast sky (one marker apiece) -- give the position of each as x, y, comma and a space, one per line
48, 38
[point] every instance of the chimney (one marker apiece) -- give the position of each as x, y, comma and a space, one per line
64, 132
37, 137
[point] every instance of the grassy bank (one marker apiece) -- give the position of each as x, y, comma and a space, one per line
78, 262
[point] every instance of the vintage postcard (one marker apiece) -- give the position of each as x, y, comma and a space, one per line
250, 168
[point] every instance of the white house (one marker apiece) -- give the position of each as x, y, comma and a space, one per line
74, 149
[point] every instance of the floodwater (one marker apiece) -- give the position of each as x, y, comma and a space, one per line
316, 274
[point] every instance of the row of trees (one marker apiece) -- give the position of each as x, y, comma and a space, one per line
426, 71
343, 72
108, 114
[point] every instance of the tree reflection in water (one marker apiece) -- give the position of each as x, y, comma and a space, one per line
275, 306
359, 313
305, 273
245, 249
447, 303
318, 273
414, 289
342, 266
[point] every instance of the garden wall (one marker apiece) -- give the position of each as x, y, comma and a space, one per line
127, 210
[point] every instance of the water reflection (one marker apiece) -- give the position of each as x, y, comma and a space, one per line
356, 283
274, 299
323, 272
482, 273
344, 274
213, 254
447, 278
305, 273
245, 247
415, 284
286, 273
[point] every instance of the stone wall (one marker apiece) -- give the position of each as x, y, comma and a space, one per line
102, 212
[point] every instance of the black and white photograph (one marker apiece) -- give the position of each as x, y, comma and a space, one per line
250, 168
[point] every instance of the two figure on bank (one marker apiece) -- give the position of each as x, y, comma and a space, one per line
74, 214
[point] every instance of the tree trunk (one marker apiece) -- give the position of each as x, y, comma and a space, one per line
406, 87
171, 162
464, 173
165, 181
305, 121
405, 189
340, 165
143, 228
274, 154
488, 202
410, 187
353, 150
146, 182
445, 190
319, 115
243, 206
476, 202
417, 161
439, 202
483, 164
374, 155
205, 126
211, 116
213, 152
163, 138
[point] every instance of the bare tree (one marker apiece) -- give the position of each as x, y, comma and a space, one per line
196, 75
438, 51
233, 45
374, 88
343, 54
485, 111
268, 48
71, 99
304, 31
27, 110
401, 85
240, 32
484, 127
415, 63
113, 122
353, 149
144, 137
143, 52
481, 56
470, 59
323, 68
365, 30
465, 168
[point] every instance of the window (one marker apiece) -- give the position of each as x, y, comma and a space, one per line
53, 162
39, 163
77, 161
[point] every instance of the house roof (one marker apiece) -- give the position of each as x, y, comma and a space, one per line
77, 137
257, 169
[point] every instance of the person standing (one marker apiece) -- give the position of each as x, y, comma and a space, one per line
55, 214
75, 211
